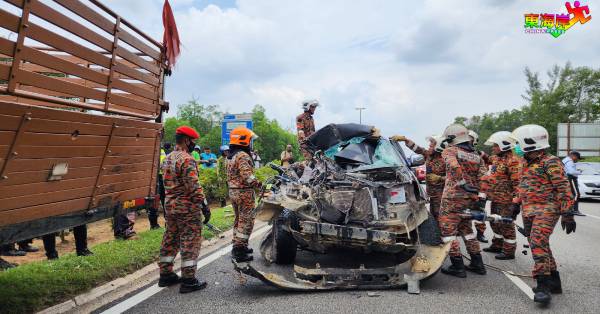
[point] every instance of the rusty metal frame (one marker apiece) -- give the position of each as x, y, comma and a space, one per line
12, 153
107, 151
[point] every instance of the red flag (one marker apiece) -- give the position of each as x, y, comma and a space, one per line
170, 36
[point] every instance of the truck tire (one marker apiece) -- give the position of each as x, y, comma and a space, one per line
429, 232
284, 243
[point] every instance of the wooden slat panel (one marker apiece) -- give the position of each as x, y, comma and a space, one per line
50, 61
131, 103
131, 57
22, 165
120, 196
8, 108
108, 26
68, 24
4, 72
122, 186
38, 152
9, 21
38, 90
7, 47
49, 139
114, 178
134, 74
36, 212
133, 150
127, 168
123, 160
131, 88
6, 137
16, 178
44, 198
52, 39
45, 187
58, 85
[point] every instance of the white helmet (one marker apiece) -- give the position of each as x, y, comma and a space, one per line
474, 137
310, 103
531, 137
456, 134
440, 144
503, 139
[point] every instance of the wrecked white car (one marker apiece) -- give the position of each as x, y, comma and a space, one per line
353, 217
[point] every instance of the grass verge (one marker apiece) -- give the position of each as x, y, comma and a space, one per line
38, 285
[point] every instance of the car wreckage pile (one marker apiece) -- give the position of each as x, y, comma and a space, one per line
354, 217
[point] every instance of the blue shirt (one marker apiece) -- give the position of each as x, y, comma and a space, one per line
570, 168
209, 156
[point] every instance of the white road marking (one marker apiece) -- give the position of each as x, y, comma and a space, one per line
154, 289
592, 216
520, 284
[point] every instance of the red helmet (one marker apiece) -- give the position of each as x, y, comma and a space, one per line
187, 131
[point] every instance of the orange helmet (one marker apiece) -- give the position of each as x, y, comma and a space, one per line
241, 136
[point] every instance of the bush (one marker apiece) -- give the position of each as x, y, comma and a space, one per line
214, 191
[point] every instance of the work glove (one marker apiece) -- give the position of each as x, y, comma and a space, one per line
398, 138
205, 212
516, 210
567, 222
432, 177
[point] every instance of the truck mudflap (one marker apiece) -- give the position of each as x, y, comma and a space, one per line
313, 271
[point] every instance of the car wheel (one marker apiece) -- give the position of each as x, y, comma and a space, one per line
429, 232
284, 243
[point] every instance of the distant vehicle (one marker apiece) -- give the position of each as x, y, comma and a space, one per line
589, 180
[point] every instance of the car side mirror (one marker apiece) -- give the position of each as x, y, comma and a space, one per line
417, 160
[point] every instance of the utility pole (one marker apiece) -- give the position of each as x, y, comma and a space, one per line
360, 109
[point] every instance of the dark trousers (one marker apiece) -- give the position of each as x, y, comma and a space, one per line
575, 190
80, 234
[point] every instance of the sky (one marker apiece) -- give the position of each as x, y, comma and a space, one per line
415, 65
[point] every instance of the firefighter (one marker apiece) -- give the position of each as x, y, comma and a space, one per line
241, 182
464, 169
545, 196
185, 207
479, 225
436, 170
500, 186
305, 124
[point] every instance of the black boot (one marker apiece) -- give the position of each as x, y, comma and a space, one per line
542, 291
555, 284
240, 254
191, 285
503, 256
457, 268
492, 249
52, 255
481, 237
249, 250
84, 252
169, 279
476, 265
6, 265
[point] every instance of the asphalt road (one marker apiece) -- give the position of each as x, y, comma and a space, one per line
578, 256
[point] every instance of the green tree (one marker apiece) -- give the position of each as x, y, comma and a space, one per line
272, 137
569, 95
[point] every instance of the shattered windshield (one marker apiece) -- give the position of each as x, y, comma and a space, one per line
360, 153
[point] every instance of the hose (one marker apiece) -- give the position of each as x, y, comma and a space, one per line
501, 270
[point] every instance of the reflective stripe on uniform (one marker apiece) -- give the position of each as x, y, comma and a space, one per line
498, 236
448, 239
469, 236
240, 235
510, 241
189, 263
167, 259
